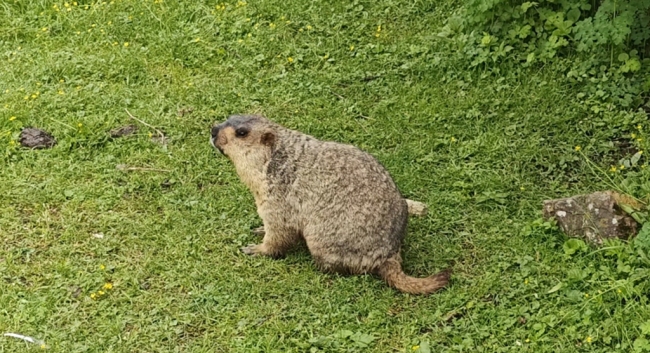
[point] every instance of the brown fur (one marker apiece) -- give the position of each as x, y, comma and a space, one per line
339, 199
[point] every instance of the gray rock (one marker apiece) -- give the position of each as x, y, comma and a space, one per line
593, 217
36, 138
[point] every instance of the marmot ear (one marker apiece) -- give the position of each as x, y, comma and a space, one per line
268, 139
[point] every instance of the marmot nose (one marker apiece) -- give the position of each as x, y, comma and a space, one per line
215, 131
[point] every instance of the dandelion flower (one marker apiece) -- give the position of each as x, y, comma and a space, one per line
108, 286
586, 295
527, 340
612, 169
415, 348
578, 148
588, 339
93, 296
126, 44
60, 92
100, 292
102, 267
290, 60
12, 118
80, 125
621, 167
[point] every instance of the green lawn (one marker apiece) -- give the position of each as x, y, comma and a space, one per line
482, 148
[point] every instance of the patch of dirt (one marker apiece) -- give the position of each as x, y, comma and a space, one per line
185, 111
123, 131
36, 138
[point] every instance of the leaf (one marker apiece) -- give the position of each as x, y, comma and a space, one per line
527, 5
362, 339
645, 328
556, 288
344, 334
424, 347
623, 57
641, 345
635, 159
572, 246
573, 15
642, 239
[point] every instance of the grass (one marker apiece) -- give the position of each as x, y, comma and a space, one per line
482, 149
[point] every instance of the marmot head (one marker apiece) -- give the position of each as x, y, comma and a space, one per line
245, 138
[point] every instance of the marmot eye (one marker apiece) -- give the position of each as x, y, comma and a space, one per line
241, 132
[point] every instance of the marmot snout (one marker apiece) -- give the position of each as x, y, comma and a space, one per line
339, 199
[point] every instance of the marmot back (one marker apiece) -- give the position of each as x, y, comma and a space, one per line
341, 200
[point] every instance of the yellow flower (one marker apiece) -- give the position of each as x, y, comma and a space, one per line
578, 148
26, 97
526, 281
12, 118
522, 188
44, 29
309, 27
126, 44
60, 92
415, 348
453, 139
197, 40
352, 47
102, 267
150, 134
62, 80
43, 346
638, 127
80, 125
640, 152
115, 43
34, 96
12, 142
612, 169
633, 135
588, 339
527, 340
110, 23
621, 167
100, 292
290, 60
108, 286
272, 25
93, 296
586, 295
619, 291
74, 3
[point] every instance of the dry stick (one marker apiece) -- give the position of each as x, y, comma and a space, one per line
162, 136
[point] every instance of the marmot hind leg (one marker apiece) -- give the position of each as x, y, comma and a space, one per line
277, 241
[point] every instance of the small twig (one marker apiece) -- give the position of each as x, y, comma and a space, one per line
336, 94
23, 337
162, 136
144, 169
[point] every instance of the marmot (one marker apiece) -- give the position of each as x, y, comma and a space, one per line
339, 199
